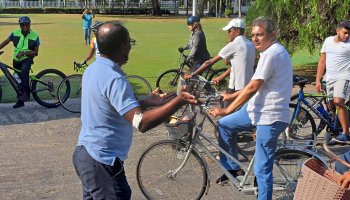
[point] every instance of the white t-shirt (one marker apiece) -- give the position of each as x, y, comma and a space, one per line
241, 53
271, 102
337, 59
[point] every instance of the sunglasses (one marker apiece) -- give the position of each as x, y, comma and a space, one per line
132, 42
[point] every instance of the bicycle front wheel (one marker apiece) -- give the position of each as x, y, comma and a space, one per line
69, 93
140, 85
287, 170
157, 164
303, 126
167, 82
44, 87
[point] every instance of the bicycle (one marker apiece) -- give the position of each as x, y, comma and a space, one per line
71, 101
168, 80
302, 124
43, 86
182, 171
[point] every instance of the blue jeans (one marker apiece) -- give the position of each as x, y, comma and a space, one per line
100, 181
340, 167
24, 66
87, 35
266, 145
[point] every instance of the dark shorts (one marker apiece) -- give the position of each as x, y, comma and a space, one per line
100, 181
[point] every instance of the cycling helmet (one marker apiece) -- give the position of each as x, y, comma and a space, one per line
191, 20
96, 25
24, 19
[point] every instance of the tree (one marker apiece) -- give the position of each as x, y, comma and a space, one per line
156, 8
302, 24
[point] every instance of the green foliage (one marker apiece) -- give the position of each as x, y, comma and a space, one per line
228, 12
302, 24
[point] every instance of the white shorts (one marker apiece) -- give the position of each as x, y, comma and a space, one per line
339, 88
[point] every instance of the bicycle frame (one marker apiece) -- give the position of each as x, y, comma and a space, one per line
301, 98
15, 85
4, 68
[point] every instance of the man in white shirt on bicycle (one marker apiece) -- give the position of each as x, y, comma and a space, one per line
335, 58
264, 105
241, 53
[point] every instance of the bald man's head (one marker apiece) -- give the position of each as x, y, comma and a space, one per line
111, 36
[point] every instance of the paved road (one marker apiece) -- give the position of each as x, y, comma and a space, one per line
37, 144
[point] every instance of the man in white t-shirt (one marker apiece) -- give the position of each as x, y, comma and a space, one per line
335, 58
241, 53
265, 106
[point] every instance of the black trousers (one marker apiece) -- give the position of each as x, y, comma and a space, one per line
100, 181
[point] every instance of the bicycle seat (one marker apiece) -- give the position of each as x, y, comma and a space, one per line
298, 80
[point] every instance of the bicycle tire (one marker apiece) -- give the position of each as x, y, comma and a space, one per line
168, 80
44, 87
223, 84
287, 170
140, 85
69, 93
303, 126
156, 163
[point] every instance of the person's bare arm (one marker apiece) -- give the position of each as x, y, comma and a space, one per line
4, 43
245, 94
152, 118
204, 66
216, 80
320, 70
31, 53
90, 55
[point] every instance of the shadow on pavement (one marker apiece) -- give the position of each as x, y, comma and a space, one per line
32, 112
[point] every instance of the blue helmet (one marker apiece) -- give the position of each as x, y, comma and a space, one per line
191, 20
24, 19
96, 25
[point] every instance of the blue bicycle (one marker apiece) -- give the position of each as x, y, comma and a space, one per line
302, 125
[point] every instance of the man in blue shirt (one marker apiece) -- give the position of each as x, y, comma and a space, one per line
109, 110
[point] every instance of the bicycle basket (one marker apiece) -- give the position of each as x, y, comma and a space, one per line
180, 126
319, 182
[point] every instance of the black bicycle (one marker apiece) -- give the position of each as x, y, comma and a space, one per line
71, 100
43, 86
168, 80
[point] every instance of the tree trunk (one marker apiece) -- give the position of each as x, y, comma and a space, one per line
200, 8
156, 8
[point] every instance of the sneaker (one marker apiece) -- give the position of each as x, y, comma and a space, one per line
18, 104
342, 138
224, 179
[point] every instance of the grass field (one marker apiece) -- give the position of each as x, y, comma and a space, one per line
157, 40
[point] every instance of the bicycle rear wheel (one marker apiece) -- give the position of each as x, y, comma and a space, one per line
69, 93
44, 87
140, 85
160, 160
302, 126
167, 81
287, 170
223, 84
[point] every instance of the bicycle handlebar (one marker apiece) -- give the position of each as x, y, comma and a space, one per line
79, 66
335, 157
